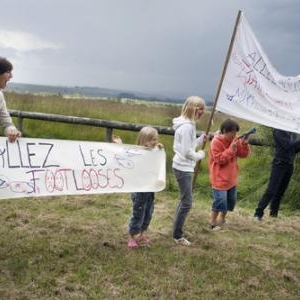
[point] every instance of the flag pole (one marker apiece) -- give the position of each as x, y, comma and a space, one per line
198, 164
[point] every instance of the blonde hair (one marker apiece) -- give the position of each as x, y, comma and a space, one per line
145, 135
190, 105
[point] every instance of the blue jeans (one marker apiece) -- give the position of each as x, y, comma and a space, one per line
142, 210
224, 200
184, 180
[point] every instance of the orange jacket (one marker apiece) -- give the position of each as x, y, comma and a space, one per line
223, 167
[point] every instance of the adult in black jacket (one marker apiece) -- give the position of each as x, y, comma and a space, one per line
286, 146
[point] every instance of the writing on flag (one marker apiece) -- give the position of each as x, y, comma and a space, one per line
252, 89
44, 167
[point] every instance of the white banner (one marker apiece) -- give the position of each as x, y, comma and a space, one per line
253, 90
43, 167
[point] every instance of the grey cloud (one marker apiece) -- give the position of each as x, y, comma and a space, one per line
159, 46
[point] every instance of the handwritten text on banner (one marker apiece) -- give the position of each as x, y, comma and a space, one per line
252, 89
43, 167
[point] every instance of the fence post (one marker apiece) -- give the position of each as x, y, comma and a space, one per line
109, 132
20, 121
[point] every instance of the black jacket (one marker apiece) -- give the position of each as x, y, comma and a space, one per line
286, 146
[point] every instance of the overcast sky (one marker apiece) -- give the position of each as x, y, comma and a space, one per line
168, 47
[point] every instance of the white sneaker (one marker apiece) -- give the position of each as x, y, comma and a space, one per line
216, 227
182, 241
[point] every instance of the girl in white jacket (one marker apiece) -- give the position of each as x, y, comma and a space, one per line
185, 159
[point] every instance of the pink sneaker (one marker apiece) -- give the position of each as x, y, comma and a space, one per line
143, 240
132, 244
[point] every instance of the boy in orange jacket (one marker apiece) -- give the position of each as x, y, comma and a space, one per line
224, 150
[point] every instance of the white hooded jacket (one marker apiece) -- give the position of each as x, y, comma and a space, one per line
184, 146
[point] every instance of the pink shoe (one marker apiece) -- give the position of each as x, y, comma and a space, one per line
132, 244
143, 240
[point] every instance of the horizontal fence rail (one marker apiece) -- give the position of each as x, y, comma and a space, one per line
109, 125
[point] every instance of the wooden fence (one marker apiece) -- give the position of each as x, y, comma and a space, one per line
109, 125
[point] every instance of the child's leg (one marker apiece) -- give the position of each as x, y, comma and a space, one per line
213, 218
148, 211
138, 214
149, 208
136, 221
184, 180
231, 201
219, 207
222, 217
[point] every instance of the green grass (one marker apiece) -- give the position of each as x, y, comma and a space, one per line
74, 247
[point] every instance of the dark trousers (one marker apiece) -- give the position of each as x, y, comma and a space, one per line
142, 210
281, 174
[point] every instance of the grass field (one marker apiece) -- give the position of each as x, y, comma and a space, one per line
75, 247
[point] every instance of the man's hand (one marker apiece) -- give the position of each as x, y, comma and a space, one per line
13, 134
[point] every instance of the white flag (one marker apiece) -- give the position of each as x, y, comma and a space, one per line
253, 90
